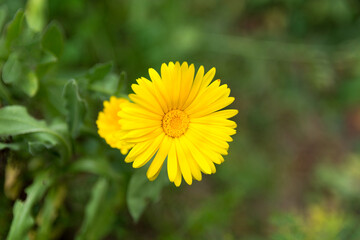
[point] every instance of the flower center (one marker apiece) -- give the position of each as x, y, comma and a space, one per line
175, 123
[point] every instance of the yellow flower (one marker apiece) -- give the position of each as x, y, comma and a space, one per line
108, 124
178, 116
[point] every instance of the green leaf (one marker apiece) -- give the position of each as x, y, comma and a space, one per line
46, 62
53, 40
15, 73
93, 209
12, 70
52, 97
98, 166
58, 126
121, 88
141, 191
48, 213
75, 106
23, 219
4, 93
107, 86
14, 120
14, 28
38, 147
99, 71
35, 14
3, 13
30, 84
101, 210
12, 146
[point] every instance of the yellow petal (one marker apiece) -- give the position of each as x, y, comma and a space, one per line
202, 142
136, 150
160, 88
187, 78
178, 177
195, 87
177, 84
184, 166
213, 108
227, 113
215, 129
199, 158
209, 76
194, 167
145, 156
143, 137
149, 105
213, 156
145, 89
154, 89
155, 176
133, 109
213, 168
131, 125
108, 124
208, 96
214, 121
159, 159
172, 164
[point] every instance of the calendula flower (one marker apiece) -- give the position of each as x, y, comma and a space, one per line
108, 124
177, 116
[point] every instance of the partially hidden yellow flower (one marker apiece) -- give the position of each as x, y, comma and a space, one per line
108, 124
177, 116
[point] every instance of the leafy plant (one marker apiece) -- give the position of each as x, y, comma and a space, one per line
48, 131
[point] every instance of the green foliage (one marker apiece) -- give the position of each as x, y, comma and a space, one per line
97, 166
52, 40
29, 67
75, 106
320, 223
15, 73
12, 146
14, 120
12, 70
99, 218
31, 85
102, 81
23, 219
14, 28
141, 192
93, 212
30, 71
341, 180
49, 212
35, 14
3, 12
99, 71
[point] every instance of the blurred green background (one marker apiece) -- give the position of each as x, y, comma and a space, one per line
293, 170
